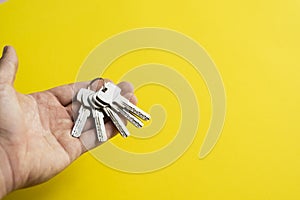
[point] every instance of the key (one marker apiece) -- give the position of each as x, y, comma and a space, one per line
106, 94
111, 114
84, 113
99, 120
97, 105
106, 99
109, 100
99, 124
126, 104
110, 94
97, 114
132, 119
117, 121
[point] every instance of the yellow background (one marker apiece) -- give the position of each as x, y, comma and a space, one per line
255, 45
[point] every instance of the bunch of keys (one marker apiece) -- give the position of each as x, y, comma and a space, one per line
106, 101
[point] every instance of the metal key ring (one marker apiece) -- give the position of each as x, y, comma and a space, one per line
94, 80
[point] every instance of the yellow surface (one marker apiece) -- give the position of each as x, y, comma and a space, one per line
255, 45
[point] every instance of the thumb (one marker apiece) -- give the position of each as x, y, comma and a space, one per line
8, 65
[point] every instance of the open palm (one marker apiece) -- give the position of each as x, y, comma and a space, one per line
35, 140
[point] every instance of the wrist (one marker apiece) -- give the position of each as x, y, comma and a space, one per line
6, 178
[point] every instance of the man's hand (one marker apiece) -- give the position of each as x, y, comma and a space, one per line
35, 140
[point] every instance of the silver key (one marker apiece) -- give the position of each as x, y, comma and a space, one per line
97, 115
110, 100
131, 118
99, 120
117, 121
84, 113
111, 114
110, 95
99, 124
126, 104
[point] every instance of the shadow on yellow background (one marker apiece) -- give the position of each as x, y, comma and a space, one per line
255, 45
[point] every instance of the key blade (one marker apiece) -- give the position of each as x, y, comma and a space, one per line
117, 122
84, 113
133, 108
99, 123
131, 118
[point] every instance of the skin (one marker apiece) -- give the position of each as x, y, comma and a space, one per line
35, 140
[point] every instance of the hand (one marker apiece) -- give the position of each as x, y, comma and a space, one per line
35, 140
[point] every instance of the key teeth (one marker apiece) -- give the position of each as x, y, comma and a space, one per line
131, 118
144, 116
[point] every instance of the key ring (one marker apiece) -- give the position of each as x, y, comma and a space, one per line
96, 79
